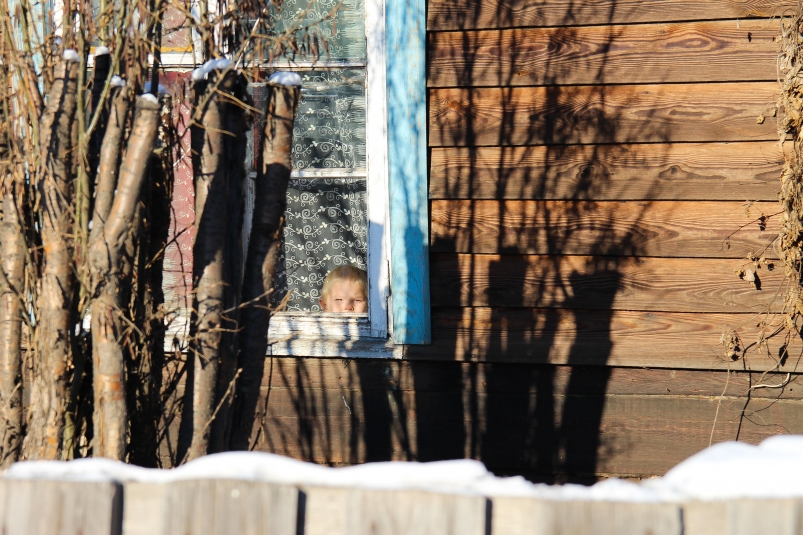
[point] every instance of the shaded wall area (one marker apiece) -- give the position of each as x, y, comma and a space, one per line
598, 173
548, 423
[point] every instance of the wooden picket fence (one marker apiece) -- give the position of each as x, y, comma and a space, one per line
232, 507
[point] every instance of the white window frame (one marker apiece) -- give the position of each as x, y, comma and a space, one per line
324, 334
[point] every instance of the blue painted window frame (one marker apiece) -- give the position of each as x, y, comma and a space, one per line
407, 170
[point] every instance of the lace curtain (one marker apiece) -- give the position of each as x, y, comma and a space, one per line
325, 222
325, 228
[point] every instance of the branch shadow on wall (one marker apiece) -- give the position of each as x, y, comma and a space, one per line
540, 288
524, 289
533, 245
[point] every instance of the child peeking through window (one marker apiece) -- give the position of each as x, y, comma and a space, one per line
345, 289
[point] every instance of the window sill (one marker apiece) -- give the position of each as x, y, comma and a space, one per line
308, 334
343, 326
310, 347
346, 335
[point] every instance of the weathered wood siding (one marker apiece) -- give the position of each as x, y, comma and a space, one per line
549, 423
596, 173
590, 167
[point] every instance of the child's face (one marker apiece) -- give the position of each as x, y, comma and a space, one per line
345, 296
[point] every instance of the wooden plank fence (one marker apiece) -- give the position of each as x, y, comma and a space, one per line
225, 506
210, 507
40, 507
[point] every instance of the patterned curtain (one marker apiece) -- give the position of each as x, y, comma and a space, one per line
326, 228
325, 222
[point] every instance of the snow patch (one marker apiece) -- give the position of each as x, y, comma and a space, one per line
162, 89
221, 64
466, 477
101, 51
150, 98
201, 73
70, 55
116, 81
285, 78
729, 470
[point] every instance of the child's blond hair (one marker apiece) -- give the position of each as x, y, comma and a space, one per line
345, 273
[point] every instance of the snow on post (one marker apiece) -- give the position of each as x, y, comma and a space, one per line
285, 78
70, 55
202, 72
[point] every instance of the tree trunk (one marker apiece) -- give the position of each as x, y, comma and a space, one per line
218, 144
101, 73
144, 372
54, 331
233, 272
109, 420
11, 294
263, 247
109, 161
107, 173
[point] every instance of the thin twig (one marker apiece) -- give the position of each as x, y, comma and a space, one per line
780, 385
719, 403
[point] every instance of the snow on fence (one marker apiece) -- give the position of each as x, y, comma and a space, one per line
730, 489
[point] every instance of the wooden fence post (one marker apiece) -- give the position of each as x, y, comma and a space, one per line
41, 507
323, 511
210, 507
350, 511
743, 517
531, 516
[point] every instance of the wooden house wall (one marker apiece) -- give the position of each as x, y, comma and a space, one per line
590, 164
597, 171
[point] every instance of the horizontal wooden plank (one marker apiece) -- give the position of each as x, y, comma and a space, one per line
683, 171
720, 51
602, 114
513, 417
453, 375
601, 338
599, 283
532, 430
473, 14
626, 436
646, 228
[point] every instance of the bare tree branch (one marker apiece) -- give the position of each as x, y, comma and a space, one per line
56, 184
108, 361
263, 248
218, 160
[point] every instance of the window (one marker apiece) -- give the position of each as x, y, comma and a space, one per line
337, 197
360, 141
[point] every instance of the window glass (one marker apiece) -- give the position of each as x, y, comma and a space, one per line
326, 220
326, 227
329, 132
343, 30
